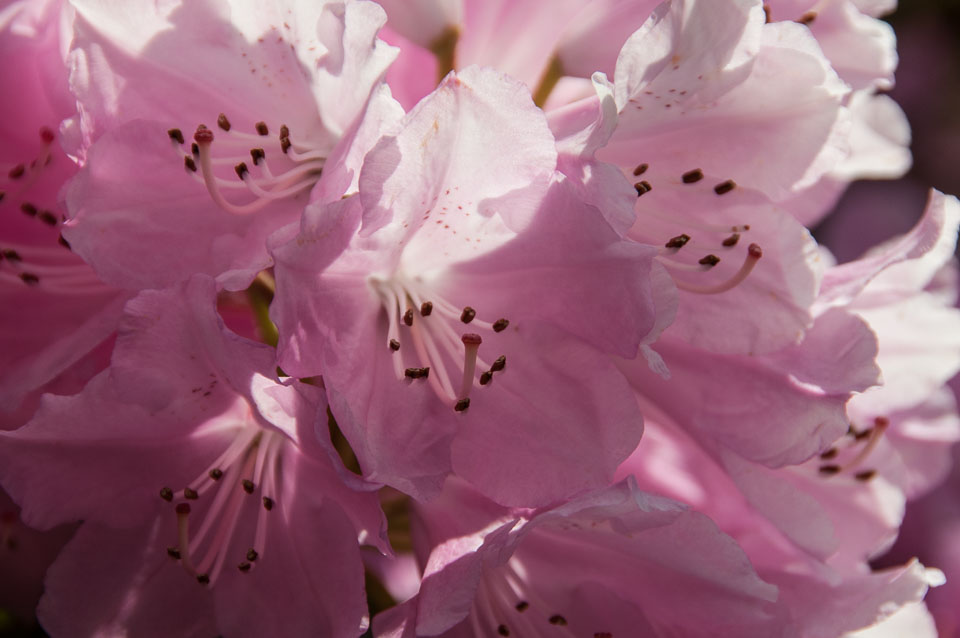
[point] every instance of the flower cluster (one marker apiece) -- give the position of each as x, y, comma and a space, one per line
462, 318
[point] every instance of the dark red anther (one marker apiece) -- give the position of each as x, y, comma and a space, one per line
203, 135
284, 144
262, 128
486, 377
709, 260
223, 122
462, 404
558, 620
677, 242
417, 373
267, 503
499, 364
176, 135
29, 278
11, 255
829, 470
47, 218
830, 454
724, 187
731, 240
248, 486
216, 474
503, 631
755, 251
189, 164
641, 169
195, 149
807, 17
691, 177
173, 552
203, 579
284, 131
642, 187
244, 567
468, 314
865, 475
394, 345
47, 135
17, 171
257, 154
28, 209
426, 308
408, 317
166, 494
241, 169
252, 555
522, 606
500, 325
190, 494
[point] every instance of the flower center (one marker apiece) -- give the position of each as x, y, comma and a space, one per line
431, 325
507, 605
268, 168
247, 468
853, 451
722, 238
47, 264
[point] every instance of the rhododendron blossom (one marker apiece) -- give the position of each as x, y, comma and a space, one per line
463, 318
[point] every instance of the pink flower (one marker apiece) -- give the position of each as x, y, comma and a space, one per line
188, 463
459, 306
222, 141
615, 562
56, 310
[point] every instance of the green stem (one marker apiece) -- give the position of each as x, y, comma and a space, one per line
551, 76
445, 50
260, 294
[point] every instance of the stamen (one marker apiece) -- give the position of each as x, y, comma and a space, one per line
499, 364
754, 253
408, 317
640, 170
486, 377
28, 209
417, 373
262, 128
807, 17
17, 171
731, 240
176, 135
677, 242
426, 308
643, 187
257, 154
223, 122
500, 325
724, 187
166, 494
709, 260
468, 314
559, 620
691, 177
394, 345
